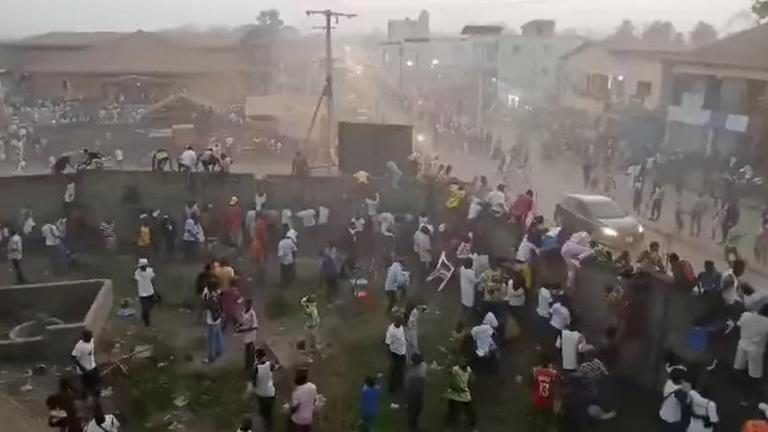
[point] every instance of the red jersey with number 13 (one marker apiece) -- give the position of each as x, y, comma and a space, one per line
544, 381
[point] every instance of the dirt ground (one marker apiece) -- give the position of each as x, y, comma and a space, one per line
174, 389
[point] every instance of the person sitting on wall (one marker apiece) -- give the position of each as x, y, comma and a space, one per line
161, 160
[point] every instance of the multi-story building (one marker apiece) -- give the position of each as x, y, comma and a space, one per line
527, 63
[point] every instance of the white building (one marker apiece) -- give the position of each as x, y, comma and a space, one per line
527, 63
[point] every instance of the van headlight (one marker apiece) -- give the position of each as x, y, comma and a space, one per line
610, 232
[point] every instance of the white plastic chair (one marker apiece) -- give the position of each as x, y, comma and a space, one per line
443, 270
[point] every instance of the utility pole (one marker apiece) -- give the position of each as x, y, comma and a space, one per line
328, 89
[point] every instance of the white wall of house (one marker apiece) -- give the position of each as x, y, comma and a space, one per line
527, 65
596, 75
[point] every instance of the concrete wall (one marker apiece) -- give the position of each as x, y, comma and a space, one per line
124, 195
80, 304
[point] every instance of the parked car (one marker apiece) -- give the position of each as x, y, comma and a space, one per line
600, 216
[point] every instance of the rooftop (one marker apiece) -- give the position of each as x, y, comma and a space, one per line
747, 49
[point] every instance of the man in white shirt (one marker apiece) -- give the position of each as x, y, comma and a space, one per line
83, 356
53, 246
571, 343
560, 315
704, 417
190, 237
143, 275
264, 386
307, 217
395, 281
484, 345
15, 253
286, 255
751, 349
323, 215
188, 160
247, 327
303, 402
675, 395
497, 199
395, 340
422, 245
468, 287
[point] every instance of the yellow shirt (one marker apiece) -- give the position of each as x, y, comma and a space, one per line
145, 238
455, 197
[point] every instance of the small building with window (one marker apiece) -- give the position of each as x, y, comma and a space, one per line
600, 77
718, 98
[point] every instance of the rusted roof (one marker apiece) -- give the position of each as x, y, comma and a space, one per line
747, 49
137, 53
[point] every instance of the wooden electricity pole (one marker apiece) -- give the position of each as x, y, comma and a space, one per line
330, 17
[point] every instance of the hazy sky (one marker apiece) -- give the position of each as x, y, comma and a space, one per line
24, 17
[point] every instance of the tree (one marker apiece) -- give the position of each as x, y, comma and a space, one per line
760, 8
702, 34
270, 18
625, 32
660, 33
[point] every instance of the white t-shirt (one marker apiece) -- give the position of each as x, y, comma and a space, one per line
285, 250
110, 425
259, 200
754, 331
525, 251
569, 343
395, 339
144, 281
119, 155
515, 297
249, 320
285, 216
304, 398
545, 298
474, 209
467, 282
386, 222
702, 407
265, 383
83, 352
307, 217
322, 215
51, 234
490, 319
670, 407
561, 316
372, 205
188, 158
483, 336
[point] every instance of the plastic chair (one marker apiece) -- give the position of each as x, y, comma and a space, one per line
443, 270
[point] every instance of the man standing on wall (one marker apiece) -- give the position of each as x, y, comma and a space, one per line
15, 254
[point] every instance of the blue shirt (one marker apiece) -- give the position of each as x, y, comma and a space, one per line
369, 400
709, 281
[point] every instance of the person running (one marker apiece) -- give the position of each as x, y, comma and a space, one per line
311, 322
750, 352
415, 383
459, 397
286, 255
303, 401
248, 327
264, 386
144, 276
395, 341
213, 320
696, 212
84, 359
15, 252
369, 404
545, 384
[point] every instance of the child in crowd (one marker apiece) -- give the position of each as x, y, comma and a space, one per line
369, 404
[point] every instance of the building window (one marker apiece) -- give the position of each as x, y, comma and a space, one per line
643, 89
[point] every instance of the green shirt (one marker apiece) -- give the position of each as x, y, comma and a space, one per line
311, 317
458, 389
